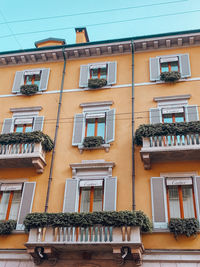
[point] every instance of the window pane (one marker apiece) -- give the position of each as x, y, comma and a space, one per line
174, 66
94, 73
90, 127
167, 118
4, 205
19, 129
28, 79
179, 117
15, 205
101, 127
85, 200
103, 73
98, 196
164, 67
188, 203
174, 205
28, 129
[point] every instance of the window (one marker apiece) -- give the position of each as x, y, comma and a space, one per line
34, 76
102, 70
96, 127
169, 63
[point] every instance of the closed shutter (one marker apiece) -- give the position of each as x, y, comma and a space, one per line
84, 76
159, 202
196, 181
191, 113
155, 115
154, 68
44, 79
79, 123
8, 125
184, 62
38, 123
26, 203
110, 126
112, 73
18, 81
110, 194
71, 196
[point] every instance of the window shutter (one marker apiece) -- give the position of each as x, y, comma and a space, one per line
38, 123
84, 76
44, 79
79, 122
18, 81
71, 196
110, 194
184, 62
155, 115
196, 181
7, 126
191, 113
26, 203
112, 73
154, 68
159, 202
110, 126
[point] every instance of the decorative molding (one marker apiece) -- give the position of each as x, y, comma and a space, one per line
178, 174
26, 109
171, 98
96, 104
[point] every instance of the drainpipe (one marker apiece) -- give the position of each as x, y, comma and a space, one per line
133, 147
56, 133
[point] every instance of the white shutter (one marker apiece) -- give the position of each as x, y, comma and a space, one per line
84, 75
110, 194
191, 113
155, 115
184, 63
44, 79
71, 196
78, 131
8, 126
196, 181
154, 69
18, 81
110, 126
38, 123
112, 73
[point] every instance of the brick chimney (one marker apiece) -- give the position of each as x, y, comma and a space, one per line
50, 42
81, 35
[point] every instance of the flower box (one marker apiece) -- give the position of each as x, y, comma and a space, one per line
29, 89
171, 76
96, 83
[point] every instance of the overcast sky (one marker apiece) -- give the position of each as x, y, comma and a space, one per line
23, 22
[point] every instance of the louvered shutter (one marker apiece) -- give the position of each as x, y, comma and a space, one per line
155, 115
154, 68
159, 202
110, 126
71, 196
112, 73
8, 125
184, 62
196, 181
84, 75
38, 123
78, 131
26, 203
191, 113
110, 194
44, 79
18, 81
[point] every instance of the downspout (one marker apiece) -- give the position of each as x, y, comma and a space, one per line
56, 133
133, 147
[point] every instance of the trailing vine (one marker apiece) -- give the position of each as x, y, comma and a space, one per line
96, 83
93, 141
6, 227
171, 76
29, 89
187, 227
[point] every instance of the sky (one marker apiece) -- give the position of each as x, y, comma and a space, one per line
23, 22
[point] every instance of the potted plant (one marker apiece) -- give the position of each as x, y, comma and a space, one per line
93, 141
29, 89
96, 83
170, 76
187, 227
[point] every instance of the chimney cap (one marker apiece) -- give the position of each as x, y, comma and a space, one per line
50, 39
80, 29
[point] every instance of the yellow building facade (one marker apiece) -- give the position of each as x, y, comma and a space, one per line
89, 98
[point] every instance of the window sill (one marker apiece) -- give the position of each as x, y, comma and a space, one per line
163, 82
100, 88
105, 147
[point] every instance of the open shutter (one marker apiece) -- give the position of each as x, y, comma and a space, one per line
84, 76
110, 194
44, 79
110, 126
38, 123
26, 203
191, 113
184, 62
112, 72
71, 196
196, 181
159, 202
7, 126
154, 68
18, 81
155, 115
79, 122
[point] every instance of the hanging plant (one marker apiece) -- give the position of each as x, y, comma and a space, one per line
171, 76
96, 83
187, 227
93, 141
6, 227
29, 89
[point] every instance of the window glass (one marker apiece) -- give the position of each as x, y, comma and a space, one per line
4, 204
174, 66
90, 127
32, 79
16, 200
179, 117
164, 67
19, 129
85, 200
91, 199
174, 205
25, 128
167, 118
103, 73
101, 127
188, 203
94, 73
98, 196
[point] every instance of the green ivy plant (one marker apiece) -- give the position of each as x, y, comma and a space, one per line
105, 218
188, 227
171, 76
6, 227
27, 138
29, 89
96, 83
165, 129
93, 141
